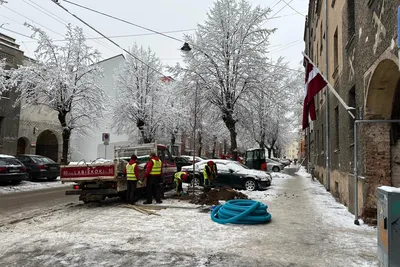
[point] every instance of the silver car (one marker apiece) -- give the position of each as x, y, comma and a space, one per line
274, 166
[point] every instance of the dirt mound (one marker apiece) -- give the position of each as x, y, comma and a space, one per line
213, 196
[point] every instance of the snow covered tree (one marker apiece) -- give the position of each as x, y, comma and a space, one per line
64, 77
139, 94
227, 57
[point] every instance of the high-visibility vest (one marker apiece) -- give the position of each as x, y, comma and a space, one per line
130, 172
156, 169
177, 176
212, 172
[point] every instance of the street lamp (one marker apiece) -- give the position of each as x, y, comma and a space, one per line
186, 48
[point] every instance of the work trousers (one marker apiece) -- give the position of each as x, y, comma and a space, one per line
131, 193
153, 188
179, 188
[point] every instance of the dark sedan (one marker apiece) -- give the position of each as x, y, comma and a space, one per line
40, 167
11, 169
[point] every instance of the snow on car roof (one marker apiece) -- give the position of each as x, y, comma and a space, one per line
6, 156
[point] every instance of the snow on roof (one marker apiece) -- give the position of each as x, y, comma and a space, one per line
390, 189
6, 156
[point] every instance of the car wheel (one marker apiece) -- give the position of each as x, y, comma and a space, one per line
250, 185
196, 181
51, 178
276, 169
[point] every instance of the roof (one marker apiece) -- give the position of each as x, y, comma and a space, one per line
6, 156
110, 58
31, 155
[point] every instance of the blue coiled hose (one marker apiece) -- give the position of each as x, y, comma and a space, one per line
241, 211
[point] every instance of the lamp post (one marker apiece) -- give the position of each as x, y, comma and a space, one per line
186, 48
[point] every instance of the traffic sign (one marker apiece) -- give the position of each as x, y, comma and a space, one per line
106, 138
398, 32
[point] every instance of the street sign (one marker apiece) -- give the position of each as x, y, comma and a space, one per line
106, 138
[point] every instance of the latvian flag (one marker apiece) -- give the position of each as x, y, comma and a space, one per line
314, 83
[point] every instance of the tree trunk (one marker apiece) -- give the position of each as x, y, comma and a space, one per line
200, 145
269, 152
66, 134
173, 144
230, 123
214, 147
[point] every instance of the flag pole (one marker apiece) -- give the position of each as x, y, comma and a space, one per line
327, 118
332, 90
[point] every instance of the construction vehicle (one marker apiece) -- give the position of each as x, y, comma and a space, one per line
96, 181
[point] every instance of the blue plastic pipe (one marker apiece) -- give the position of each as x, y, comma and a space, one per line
241, 211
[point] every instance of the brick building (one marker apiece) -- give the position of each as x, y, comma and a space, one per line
363, 68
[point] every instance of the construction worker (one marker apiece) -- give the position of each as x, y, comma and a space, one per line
264, 166
209, 173
179, 177
153, 179
132, 175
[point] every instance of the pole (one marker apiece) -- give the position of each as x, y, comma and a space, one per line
356, 222
327, 101
105, 151
194, 135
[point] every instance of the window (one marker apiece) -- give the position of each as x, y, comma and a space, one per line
249, 155
321, 38
168, 155
337, 127
336, 50
352, 103
351, 18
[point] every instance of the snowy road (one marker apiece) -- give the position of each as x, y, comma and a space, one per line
308, 229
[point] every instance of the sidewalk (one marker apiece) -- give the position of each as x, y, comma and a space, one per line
308, 228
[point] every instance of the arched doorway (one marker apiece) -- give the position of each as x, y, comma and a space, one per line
382, 140
47, 145
22, 146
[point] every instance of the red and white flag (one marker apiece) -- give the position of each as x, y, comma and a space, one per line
314, 83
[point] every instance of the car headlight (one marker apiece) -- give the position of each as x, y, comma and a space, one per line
262, 177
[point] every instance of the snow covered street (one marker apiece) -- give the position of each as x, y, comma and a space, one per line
308, 228
30, 186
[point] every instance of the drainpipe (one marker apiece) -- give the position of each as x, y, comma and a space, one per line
327, 152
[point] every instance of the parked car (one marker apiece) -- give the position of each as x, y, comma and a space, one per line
182, 161
274, 166
232, 174
285, 162
11, 169
190, 158
40, 167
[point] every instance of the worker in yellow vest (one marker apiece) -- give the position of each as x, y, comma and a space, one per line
209, 173
132, 176
153, 176
179, 177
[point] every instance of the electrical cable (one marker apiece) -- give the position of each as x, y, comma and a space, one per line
33, 21
122, 20
116, 44
64, 22
288, 4
2, 27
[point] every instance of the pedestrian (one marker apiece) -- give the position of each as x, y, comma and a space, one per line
132, 175
153, 179
209, 173
179, 178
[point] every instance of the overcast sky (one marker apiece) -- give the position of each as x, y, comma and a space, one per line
160, 15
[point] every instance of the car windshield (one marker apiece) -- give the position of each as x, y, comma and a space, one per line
42, 160
9, 161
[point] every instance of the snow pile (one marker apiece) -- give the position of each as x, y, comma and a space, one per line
303, 172
30, 186
390, 189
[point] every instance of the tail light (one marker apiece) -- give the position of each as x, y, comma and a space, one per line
76, 187
23, 169
3, 169
42, 167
